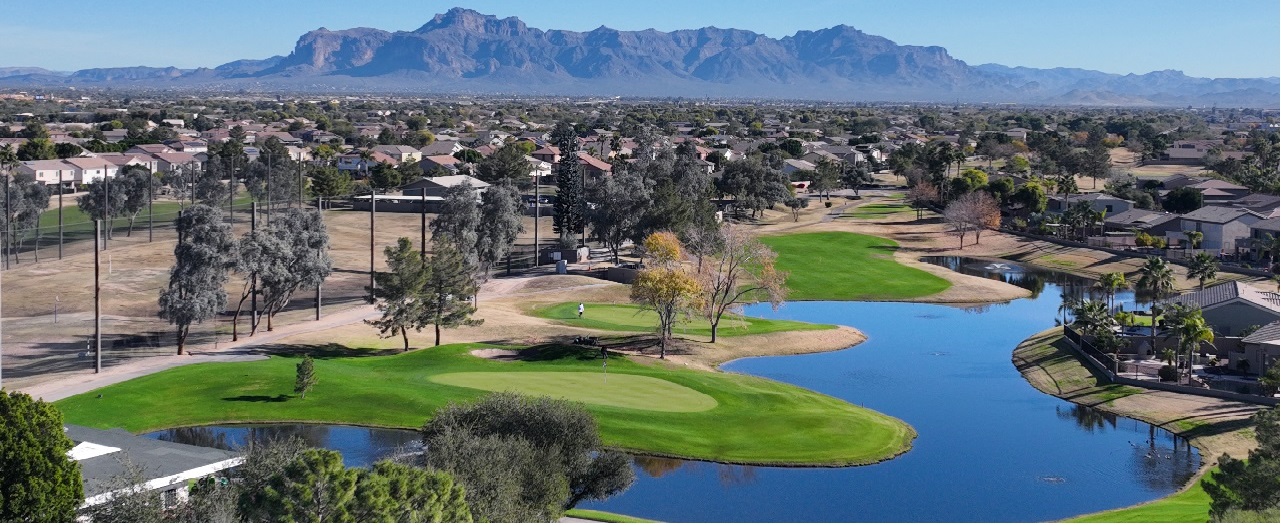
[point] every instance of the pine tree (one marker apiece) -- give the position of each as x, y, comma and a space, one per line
568, 219
451, 283
306, 377
399, 291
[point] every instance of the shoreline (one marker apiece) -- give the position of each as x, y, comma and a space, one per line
1154, 407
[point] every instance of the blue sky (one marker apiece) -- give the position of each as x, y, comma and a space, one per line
1212, 38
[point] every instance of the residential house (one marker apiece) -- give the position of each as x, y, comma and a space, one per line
1099, 202
169, 161
1221, 227
592, 166
437, 186
446, 162
92, 169
793, 165
1259, 349
1262, 234
169, 467
1230, 308
538, 170
440, 147
550, 154
49, 172
402, 154
1154, 223
150, 149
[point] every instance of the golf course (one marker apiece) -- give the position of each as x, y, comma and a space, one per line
631, 318
656, 408
842, 266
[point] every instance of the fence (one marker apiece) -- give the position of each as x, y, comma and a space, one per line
1102, 364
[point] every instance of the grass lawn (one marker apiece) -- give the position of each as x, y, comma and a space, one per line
1189, 506
876, 211
76, 220
606, 517
594, 388
631, 318
840, 266
754, 420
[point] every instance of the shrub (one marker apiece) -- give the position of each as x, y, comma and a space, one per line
827, 204
1168, 373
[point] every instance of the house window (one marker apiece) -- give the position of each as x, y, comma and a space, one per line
170, 498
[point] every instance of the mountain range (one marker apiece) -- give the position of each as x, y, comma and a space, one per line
463, 51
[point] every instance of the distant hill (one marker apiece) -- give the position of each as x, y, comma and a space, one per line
463, 51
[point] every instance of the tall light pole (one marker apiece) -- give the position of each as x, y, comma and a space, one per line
372, 206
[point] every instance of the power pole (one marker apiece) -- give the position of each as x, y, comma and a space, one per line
538, 208
253, 279
151, 213
60, 192
372, 206
422, 227
106, 191
268, 190
318, 207
97, 297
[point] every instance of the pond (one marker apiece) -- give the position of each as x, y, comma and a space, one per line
360, 446
990, 447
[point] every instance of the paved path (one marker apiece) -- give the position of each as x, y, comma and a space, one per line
246, 349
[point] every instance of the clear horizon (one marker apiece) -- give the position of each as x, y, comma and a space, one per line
1202, 39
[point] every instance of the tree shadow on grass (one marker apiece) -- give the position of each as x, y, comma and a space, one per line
325, 351
261, 399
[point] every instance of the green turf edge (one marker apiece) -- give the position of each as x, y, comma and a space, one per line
1191, 505
808, 429
605, 517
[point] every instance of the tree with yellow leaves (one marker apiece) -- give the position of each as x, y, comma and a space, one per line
666, 286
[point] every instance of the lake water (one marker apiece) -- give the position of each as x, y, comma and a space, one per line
990, 448
360, 446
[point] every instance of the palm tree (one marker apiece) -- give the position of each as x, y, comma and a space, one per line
1091, 316
366, 156
1192, 331
1194, 238
1202, 267
1110, 283
1156, 278
1267, 244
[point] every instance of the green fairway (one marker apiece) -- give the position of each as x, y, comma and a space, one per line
76, 220
593, 388
840, 266
875, 211
1189, 506
631, 318
754, 420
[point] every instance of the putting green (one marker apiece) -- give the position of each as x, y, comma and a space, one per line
616, 390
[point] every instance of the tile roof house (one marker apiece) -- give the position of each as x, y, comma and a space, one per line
594, 167
1220, 226
168, 466
402, 154
440, 147
1231, 307
1260, 349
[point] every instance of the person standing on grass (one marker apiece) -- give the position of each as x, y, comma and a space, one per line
580, 310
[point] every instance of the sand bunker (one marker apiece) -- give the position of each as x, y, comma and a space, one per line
495, 354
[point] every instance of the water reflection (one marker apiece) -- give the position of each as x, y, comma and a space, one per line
1086, 418
360, 446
